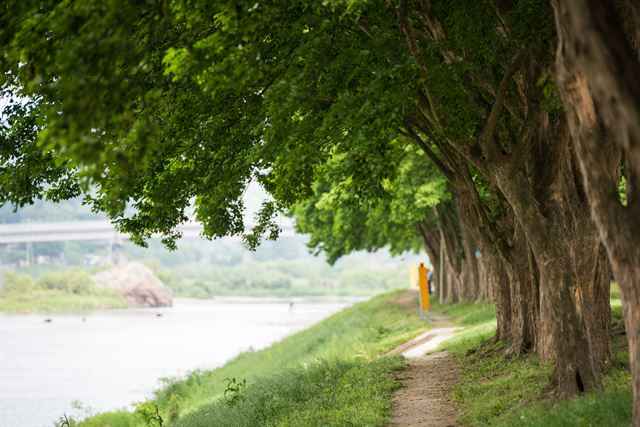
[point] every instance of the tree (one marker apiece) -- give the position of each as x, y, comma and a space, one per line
413, 212
27, 172
484, 100
340, 219
597, 71
159, 105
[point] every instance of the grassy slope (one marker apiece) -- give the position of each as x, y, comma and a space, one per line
505, 391
329, 372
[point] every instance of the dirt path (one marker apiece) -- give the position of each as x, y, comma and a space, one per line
425, 399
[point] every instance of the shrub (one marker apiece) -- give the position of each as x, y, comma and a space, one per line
73, 282
17, 283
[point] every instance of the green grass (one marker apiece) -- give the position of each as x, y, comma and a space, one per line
112, 419
55, 289
611, 407
59, 301
497, 390
467, 313
330, 372
37, 270
335, 393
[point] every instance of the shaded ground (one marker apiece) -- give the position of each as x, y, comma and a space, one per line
425, 398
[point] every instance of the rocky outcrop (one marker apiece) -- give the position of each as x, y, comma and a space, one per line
137, 283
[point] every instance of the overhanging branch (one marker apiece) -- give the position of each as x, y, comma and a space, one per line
494, 116
410, 134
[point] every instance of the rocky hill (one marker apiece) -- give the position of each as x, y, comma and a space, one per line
137, 283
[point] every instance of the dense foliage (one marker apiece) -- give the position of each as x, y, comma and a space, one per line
340, 219
234, 106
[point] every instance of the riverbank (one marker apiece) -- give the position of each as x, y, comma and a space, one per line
332, 370
87, 363
56, 291
296, 299
338, 371
45, 301
73, 291
61, 302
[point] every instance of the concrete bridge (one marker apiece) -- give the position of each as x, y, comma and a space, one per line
95, 230
100, 230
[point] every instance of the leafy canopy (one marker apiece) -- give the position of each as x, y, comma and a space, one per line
160, 105
340, 220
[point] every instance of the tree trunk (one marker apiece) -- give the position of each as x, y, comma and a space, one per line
570, 341
631, 311
597, 71
524, 296
470, 268
501, 293
566, 248
492, 261
597, 278
534, 280
449, 234
451, 282
460, 265
534, 168
484, 285
431, 240
504, 245
547, 198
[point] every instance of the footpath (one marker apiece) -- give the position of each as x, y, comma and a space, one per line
425, 400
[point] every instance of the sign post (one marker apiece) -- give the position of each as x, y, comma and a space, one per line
441, 278
423, 281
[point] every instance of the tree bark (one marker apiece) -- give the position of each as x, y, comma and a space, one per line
449, 234
506, 245
534, 168
484, 290
566, 247
524, 296
631, 312
598, 73
470, 267
493, 263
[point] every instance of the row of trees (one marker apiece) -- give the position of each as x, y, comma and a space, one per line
510, 127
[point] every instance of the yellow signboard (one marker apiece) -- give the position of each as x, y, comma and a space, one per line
413, 277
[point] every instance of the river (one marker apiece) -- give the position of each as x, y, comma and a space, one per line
108, 359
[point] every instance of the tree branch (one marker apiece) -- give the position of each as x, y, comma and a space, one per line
408, 32
487, 137
413, 137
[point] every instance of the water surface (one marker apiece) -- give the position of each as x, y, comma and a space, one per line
108, 359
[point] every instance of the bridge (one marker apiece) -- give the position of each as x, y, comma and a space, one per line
93, 230
100, 230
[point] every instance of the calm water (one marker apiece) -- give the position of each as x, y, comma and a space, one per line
116, 357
